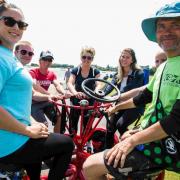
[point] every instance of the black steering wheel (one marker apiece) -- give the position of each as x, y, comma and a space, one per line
100, 94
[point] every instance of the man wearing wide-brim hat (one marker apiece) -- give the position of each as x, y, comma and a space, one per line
156, 145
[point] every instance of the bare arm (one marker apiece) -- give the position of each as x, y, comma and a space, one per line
122, 105
152, 133
71, 83
37, 96
132, 93
120, 151
71, 87
40, 89
9, 123
98, 84
59, 87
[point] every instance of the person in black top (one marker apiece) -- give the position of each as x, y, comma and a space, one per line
78, 75
129, 76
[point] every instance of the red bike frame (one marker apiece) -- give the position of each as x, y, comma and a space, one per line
80, 139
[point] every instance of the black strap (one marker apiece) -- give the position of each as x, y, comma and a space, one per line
160, 84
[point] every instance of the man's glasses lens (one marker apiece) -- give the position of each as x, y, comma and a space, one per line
24, 52
87, 57
10, 22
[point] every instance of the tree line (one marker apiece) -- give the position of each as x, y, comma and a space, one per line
107, 68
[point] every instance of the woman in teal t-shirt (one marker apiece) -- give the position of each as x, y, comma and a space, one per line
21, 141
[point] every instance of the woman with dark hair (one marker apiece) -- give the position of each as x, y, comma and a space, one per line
24, 143
129, 76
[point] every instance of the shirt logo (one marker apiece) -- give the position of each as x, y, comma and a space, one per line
172, 79
170, 146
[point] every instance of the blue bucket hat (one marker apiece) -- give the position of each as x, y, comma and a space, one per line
168, 11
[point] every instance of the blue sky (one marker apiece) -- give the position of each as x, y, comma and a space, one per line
65, 26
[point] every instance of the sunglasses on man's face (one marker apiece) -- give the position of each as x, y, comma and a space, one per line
10, 22
24, 52
87, 57
47, 59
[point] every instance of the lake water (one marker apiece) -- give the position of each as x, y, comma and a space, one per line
60, 73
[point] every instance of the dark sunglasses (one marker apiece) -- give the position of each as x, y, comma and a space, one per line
87, 57
10, 22
47, 59
24, 52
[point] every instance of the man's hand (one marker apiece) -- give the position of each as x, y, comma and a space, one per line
111, 110
117, 154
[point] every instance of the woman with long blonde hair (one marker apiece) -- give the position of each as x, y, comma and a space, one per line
128, 76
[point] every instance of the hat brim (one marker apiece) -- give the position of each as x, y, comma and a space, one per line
149, 25
47, 57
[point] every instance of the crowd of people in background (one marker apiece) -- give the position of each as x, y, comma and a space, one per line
26, 102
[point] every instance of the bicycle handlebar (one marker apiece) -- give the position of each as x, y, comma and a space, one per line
107, 105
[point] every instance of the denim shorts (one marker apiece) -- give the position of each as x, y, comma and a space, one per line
40, 109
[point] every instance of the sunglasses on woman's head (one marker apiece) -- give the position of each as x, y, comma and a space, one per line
24, 52
87, 57
10, 22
